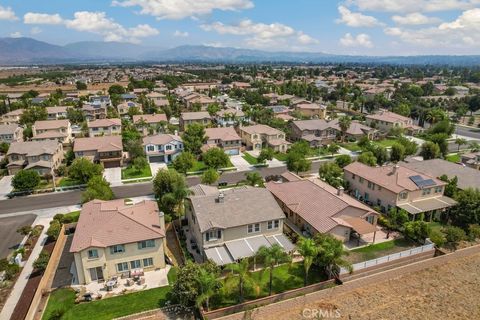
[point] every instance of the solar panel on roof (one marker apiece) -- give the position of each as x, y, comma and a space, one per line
422, 183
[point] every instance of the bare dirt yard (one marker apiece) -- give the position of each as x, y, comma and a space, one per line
447, 291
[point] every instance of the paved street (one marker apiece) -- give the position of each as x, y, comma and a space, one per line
468, 132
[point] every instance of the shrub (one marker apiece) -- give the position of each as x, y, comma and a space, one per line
437, 237
474, 232
59, 217
454, 235
3, 264
26, 180
42, 261
54, 229
11, 271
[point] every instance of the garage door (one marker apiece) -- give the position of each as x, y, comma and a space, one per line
111, 164
232, 152
156, 159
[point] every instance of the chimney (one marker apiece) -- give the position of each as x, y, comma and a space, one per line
395, 168
340, 191
176, 132
161, 220
221, 197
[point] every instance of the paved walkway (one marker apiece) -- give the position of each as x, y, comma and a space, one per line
5, 186
240, 163
113, 175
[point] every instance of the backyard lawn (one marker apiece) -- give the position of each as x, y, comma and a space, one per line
132, 173
380, 250
201, 166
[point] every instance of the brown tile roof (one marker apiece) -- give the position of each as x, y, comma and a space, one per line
100, 144
310, 106
195, 115
388, 116
224, 134
33, 148
104, 123
58, 109
150, 118
161, 139
51, 124
8, 128
260, 129
107, 223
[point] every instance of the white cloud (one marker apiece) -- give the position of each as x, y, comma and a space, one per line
180, 34
17, 34
413, 5
42, 18
355, 19
179, 9
361, 40
35, 30
6, 13
262, 35
415, 18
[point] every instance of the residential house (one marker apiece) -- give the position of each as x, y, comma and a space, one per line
226, 226
41, 156
124, 108
104, 127
225, 138
386, 120
12, 117
356, 130
57, 113
106, 150
115, 238
313, 206
10, 133
197, 99
162, 147
187, 118
57, 130
277, 98
316, 132
94, 111
241, 85
150, 123
126, 97
100, 100
397, 186
471, 159
261, 136
230, 117
311, 110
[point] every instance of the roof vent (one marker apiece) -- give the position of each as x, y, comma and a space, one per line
395, 168
221, 197
340, 191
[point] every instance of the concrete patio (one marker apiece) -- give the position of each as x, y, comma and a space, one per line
367, 239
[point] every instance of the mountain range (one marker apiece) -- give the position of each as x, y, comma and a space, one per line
27, 51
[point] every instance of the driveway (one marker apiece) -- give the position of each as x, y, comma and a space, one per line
240, 163
113, 175
5, 186
155, 166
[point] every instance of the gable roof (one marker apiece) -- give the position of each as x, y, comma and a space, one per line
51, 124
260, 129
33, 148
9, 128
100, 144
195, 115
224, 134
104, 123
161, 139
107, 223
150, 118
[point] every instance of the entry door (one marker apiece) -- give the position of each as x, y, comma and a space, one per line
96, 273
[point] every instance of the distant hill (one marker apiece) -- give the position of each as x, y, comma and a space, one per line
18, 51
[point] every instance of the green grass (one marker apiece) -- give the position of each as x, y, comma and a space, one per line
72, 216
198, 166
108, 308
280, 156
385, 142
250, 159
132, 173
380, 249
352, 146
67, 182
454, 157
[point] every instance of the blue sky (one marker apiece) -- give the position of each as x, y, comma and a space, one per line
370, 27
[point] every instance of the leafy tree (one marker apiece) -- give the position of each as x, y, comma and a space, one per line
97, 188
254, 179
208, 284
441, 140
396, 219
331, 173
243, 276
368, 158
83, 170
411, 147
402, 109
4, 147
397, 153
343, 160
460, 142
331, 253
41, 262
194, 138
297, 162
381, 154
184, 162
75, 116
474, 231
333, 148
81, 85
139, 163
451, 187
116, 89
135, 149
213, 109
265, 154
430, 150
271, 257
453, 235
437, 237
170, 189
210, 176
26, 180
32, 114
309, 250
417, 230
215, 158
474, 146
467, 211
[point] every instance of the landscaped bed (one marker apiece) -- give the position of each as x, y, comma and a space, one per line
454, 158
380, 250
132, 173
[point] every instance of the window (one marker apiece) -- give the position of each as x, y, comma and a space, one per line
150, 148
122, 266
146, 244
147, 262
426, 191
353, 176
93, 254
168, 147
117, 249
254, 228
403, 195
213, 235
361, 180
274, 224
438, 189
135, 264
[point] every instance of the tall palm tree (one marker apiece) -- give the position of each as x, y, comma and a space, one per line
331, 255
344, 123
208, 284
272, 256
460, 142
309, 250
242, 271
254, 179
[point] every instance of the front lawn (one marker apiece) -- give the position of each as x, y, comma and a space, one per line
72, 216
67, 182
201, 166
455, 157
387, 143
380, 250
352, 146
250, 159
132, 173
280, 156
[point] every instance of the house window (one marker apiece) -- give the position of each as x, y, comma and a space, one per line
168, 147
147, 262
403, 195
370, 185
361, 180
353, 176
274, 224
122, 266
426, 191
213, 235
254, 228
93, 254
117, 249
366, 196
146, 244
438, 189
135, 264
150, 148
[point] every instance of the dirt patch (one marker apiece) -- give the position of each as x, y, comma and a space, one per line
447, 291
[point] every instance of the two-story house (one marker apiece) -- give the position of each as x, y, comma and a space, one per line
397, 186
313, 206
101, 100
94, 111
12, 117
104, 127
114, 238
261, 136
225, 138
385, 120
311, 110
229, 225
58, 130
150, 123
10, 133
316, 132
187, 118
162, 147
471, 159
230, 117
41, 156
125, 107
57, 113
106, 150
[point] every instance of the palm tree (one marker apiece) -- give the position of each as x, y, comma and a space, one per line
208, 284
460, 142
272, 256
309, 250
474, 146
344, 123
331, 255
253, 179
241, 270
